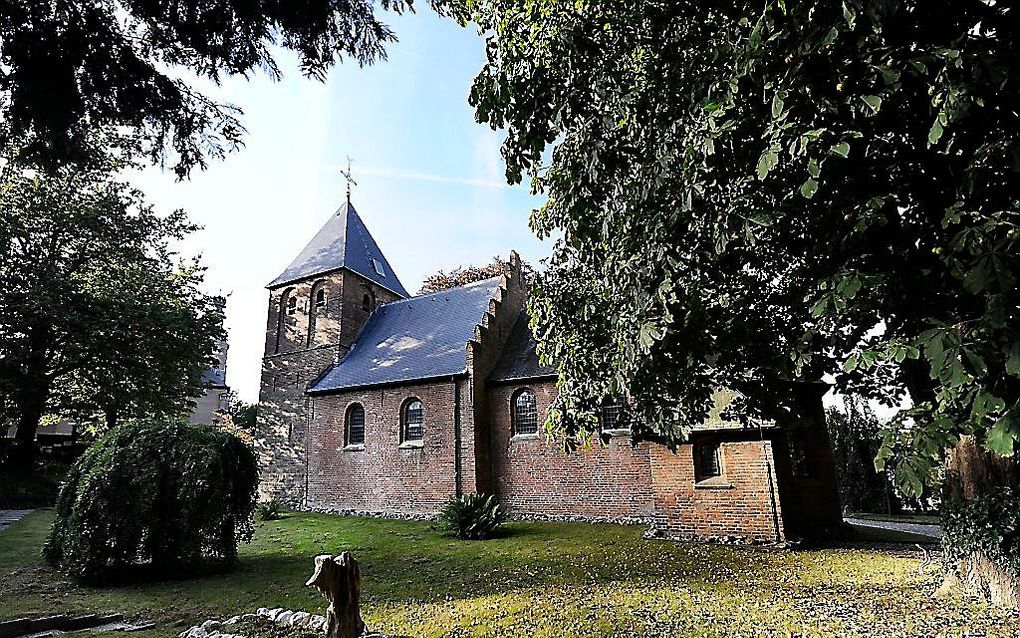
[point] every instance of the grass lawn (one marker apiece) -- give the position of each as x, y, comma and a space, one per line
539, 579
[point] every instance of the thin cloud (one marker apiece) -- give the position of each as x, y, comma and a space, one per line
428, 177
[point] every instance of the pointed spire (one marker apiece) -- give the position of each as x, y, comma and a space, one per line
343, 242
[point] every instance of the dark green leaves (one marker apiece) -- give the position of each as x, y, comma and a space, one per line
842, 150
881, 151
809, 188
119, 64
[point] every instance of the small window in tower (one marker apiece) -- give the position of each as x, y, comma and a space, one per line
708, 463
292, 306
320, 298
366, 302
378, 267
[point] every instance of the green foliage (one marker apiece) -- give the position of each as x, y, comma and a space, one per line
462, 276
269, 510
988, 523
756, 195
854, 435
167, 495
27, 490
99, 315
122, 63
472, 517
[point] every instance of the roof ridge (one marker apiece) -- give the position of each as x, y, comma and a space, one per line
439, 292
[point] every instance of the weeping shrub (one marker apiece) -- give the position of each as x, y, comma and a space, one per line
472, 517
165, 495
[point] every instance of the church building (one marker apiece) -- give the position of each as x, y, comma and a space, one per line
377, 402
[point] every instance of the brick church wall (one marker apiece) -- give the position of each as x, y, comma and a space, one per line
482, 355
534, 477
299, 348
383, 476
742, 502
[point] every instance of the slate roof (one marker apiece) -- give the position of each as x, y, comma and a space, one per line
418, 338
343, 242
519, 360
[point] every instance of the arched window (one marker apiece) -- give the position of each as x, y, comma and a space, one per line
354, 425
412, 418
318, 307
287, 300
525, 413
610, 417
291, 305
368, 300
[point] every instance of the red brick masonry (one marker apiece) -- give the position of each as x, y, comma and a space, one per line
533, 477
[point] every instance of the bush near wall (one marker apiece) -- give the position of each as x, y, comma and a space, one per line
472, 517
988, 524
154, 495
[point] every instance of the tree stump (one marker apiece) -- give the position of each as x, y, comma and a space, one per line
338, 578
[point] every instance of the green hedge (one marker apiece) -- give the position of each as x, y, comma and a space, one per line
989, 523
164, 495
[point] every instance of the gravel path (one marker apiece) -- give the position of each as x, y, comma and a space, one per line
932, 531
9, 517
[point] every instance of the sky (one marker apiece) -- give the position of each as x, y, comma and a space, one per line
430, 183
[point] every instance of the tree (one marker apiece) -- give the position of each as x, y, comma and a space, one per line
118, 63
464, 275
96, 313
854, 434
168, 497
760, 196
241, 415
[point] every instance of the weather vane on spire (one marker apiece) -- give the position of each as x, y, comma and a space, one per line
350, 180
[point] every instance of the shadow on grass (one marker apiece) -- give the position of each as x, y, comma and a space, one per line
404, 562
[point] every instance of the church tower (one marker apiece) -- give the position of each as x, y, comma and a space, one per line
316, 308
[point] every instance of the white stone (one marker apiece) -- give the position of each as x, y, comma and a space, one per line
299, 619
284, 617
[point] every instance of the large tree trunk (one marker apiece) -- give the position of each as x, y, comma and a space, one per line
31, 405
972, 471
31, 395
112, 417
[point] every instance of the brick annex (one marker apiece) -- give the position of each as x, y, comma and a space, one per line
377, 402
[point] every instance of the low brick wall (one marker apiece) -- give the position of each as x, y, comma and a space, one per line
743, 502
